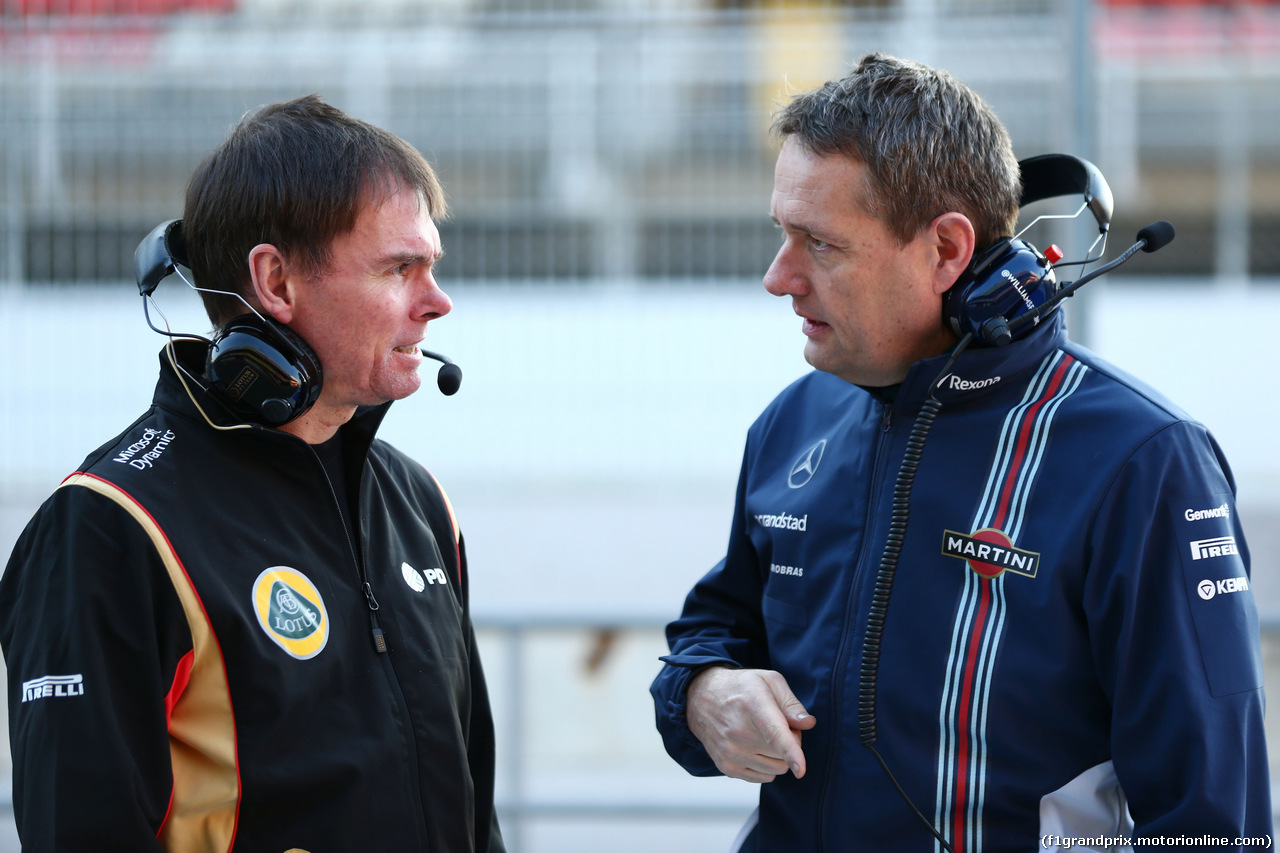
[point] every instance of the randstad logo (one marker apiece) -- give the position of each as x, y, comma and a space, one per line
291, 611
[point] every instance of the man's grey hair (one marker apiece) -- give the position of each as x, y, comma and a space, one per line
930, 144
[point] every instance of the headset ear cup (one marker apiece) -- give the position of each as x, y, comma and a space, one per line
263, 371
1006, 281
957, 312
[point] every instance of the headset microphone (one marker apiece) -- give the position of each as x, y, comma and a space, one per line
1156, 236
1152, 238
449, 378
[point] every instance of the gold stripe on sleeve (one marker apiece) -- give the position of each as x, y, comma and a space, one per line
202, 736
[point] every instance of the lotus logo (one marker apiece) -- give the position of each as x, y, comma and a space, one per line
806, 466
291, 612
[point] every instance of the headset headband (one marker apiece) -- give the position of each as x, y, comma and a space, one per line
1052, 175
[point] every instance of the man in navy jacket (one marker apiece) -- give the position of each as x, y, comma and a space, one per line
1069, 647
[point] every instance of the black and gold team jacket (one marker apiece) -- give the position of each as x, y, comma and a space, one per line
203, 655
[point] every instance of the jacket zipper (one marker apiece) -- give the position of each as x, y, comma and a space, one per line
379, 639
879, 467
362, 575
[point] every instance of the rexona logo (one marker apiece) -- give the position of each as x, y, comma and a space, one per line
1221, 546
1208, 589
990, 552
144, 452
957, 384
291, 611
52, 687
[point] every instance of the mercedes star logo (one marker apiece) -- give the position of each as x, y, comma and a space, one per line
806, 466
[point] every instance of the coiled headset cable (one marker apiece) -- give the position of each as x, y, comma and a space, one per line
879, 609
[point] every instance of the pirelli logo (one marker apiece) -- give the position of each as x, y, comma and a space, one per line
990, 552
51, 686
1222, 546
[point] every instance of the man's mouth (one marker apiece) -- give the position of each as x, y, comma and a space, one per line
411, 349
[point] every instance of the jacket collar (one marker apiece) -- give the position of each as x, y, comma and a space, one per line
982, 370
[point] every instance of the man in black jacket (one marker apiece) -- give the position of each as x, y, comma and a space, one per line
244, 623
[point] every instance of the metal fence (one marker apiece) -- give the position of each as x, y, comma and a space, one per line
606, 141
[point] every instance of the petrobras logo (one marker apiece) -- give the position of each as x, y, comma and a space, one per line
52, 687
1223, 511
990, 553
784, 521
791, 571
291, 612
144, 452
1208, 588
1207, 549
955, 383
418, 581
806, 465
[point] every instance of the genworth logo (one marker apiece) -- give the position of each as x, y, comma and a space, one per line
291, 611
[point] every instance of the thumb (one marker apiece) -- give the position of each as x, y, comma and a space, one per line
798, 719
792, 708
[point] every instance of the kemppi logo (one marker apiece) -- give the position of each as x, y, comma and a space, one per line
1207, 589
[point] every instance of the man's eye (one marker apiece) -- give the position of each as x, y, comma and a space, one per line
818, 244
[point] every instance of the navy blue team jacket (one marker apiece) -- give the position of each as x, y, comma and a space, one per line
1071, 644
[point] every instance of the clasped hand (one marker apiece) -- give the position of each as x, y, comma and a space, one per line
749, 721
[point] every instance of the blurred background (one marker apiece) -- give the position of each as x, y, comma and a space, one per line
609, 168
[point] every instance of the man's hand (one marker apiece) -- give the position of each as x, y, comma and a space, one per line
749, 721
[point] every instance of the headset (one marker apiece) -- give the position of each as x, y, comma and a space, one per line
1012, 280
260, 370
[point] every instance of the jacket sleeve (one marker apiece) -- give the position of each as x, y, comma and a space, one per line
1174, 631
721, 625
93, 634
481, 748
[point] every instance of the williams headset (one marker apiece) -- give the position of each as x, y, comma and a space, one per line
258, 369
1004, 293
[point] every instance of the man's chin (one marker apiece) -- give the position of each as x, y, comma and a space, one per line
389, 392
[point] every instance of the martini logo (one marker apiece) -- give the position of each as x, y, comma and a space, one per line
291, 611
989, 552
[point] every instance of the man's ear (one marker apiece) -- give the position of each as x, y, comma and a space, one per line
954, 241
269, 274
